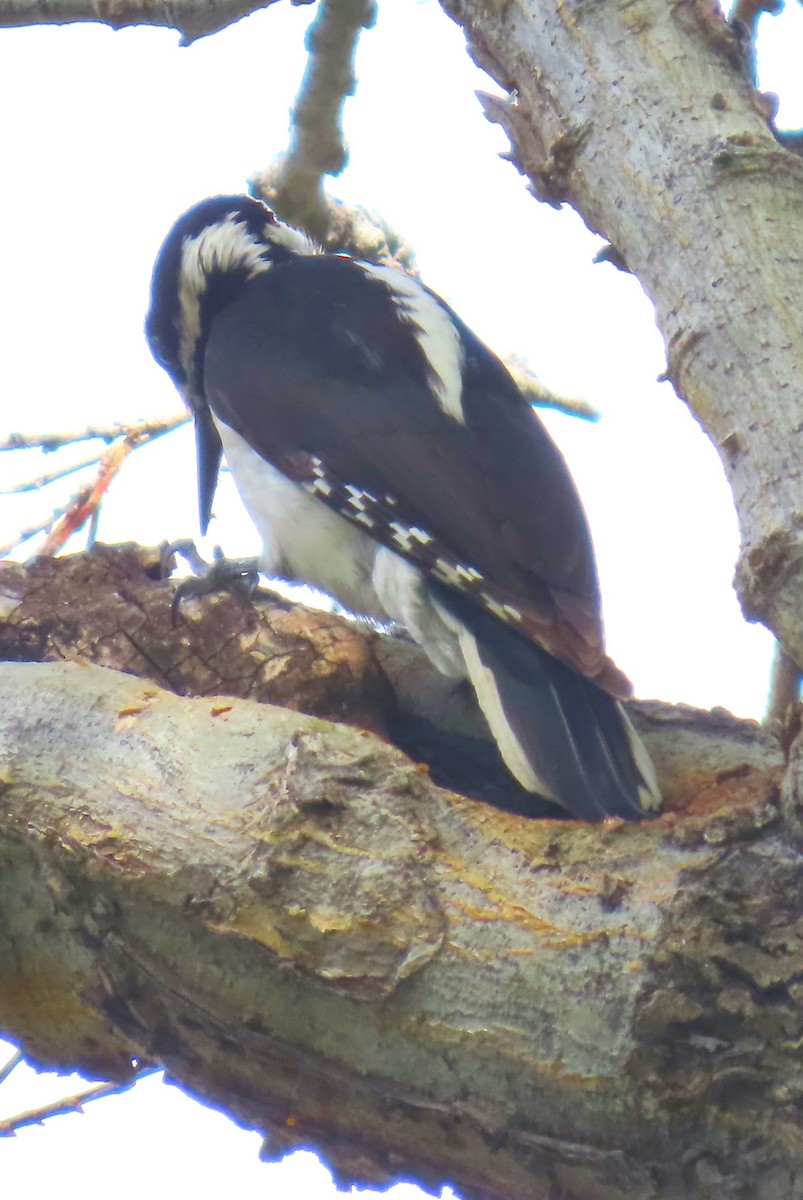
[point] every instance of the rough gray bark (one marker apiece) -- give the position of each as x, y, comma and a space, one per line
113, 608
191, 19
643, 119
291, 917
303, 929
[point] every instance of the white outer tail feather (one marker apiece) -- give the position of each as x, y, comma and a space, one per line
513, 751
487, 691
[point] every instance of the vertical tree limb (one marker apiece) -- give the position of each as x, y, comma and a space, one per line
317, 145
644, 119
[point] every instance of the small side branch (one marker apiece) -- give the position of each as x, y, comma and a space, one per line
84, 505
317, 145
11, 1065
539, 395
67, 1104
140, 431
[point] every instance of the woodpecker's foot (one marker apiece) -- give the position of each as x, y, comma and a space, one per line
239, 576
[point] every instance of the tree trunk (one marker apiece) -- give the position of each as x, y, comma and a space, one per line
642, 117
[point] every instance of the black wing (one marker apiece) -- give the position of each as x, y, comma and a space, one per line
313, 366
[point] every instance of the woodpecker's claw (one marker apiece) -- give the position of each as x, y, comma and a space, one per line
239, 576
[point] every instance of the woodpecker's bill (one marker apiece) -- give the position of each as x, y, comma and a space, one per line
387, 457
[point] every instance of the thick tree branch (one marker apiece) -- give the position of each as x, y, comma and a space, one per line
645, 121
291, 917
317, 146
113, 607
191, 19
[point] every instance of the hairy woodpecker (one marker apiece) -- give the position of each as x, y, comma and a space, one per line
387, 457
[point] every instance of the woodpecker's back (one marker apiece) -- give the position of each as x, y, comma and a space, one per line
387, 457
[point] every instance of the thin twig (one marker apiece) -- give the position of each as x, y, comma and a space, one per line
92, 531
11, 1065
84, 506
87, 503
68, 1104
317, 145
42, 481
542, 397
30, 531
106, 433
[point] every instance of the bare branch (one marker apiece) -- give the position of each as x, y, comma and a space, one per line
191, 19
31, 531
85, 504
317, 146
138, 431
12, 1064
42, 481
252, 897
68, 1104
539, 395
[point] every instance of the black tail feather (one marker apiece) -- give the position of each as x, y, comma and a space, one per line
559, 734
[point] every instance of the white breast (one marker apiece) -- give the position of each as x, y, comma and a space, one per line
302, 539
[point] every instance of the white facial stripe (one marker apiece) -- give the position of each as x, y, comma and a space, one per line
225, 246
293, 239
434, 331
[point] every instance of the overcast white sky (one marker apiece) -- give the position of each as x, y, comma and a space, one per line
114, 134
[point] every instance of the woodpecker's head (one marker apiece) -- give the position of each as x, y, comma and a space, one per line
210, 252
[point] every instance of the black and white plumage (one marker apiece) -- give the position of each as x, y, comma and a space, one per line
387, 457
